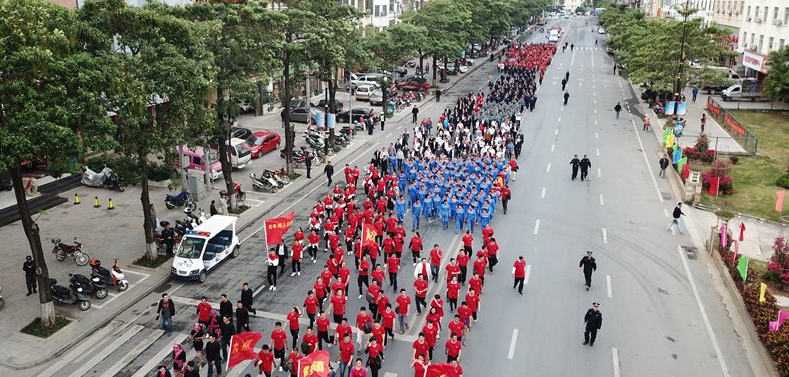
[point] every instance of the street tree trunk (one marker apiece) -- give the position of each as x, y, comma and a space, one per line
289, 137
434, 70
34, 240
332, 110
422, 64
150, 241
224, 151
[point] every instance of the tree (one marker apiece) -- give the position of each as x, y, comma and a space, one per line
776, 84
50, 95
159, 84
243, 46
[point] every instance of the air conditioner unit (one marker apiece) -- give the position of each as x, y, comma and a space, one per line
730, 11
758, 20
777, 22
748, 20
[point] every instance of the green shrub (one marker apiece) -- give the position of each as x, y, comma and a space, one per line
783, 181
152, 263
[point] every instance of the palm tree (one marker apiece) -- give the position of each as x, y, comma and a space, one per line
776, 84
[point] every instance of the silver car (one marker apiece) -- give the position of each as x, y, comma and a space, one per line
377, 98
364, 92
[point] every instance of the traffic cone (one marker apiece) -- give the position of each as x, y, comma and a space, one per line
96, 203
110, 205
76, 198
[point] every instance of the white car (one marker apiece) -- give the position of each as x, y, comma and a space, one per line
600, 31
364, 92
376, 98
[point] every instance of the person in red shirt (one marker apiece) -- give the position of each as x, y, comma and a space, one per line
312, 341
393, 267
265, 361
453, 291
463, 259
403, 307
278, 341
350, 234
377, 333
431, 335
375, 354
345, 274
345, 358
299, 235
468, 241
388, 321
399, 240
372, 297
293, 360
389, 246
419, 365
338, 285
438, 303
378, 275
364, 324
473, 302
338, 302
416, 247
452, 270
293, 318
364, 274
453, 348
456, 366
381, 304
493, 254
435, 261
372, 252
312, 249
320, 291
295, 258
421, 346
456, 327
420, 293
476, 283
519, 273
487, 233
342, 329
324, 327
391, 225
204, 312
479, 266
327, 275
464, 312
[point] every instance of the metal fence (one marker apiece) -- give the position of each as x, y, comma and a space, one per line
739, 133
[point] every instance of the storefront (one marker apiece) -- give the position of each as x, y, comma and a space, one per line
755, 65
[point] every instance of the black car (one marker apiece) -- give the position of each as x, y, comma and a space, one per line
337, 105
358, 112
241, 133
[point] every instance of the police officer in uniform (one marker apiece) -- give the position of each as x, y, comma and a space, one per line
593, 320
575, 162
588, 264
30, 275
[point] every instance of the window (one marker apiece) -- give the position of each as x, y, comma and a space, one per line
755, 12
380, 11
781, 43
775, 14
753, 37
748, 15
770, 44
742, 5
786, 16
391, 6
761, 42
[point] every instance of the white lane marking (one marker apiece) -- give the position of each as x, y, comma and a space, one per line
646, 161
96, 339
537, 226
528, 273
665, 212
595, 101
255, 293
553, 146
608, 284
321, 185
387, 135
561, 108
601, 199
146, 369
605, 236
597, 150
556, 132
542, 196
131, 355
596, 135
595, 111
572, 59
615, 356
704, 316
593, 93
559, 120
599, 174
511, 353
595, 123
390, 374
106, 351
548, 169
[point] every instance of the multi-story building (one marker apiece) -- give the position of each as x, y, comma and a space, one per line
729, 15
765, 28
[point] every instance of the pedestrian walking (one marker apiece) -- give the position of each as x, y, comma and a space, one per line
242, 317
617, 109
163, 372
588, 265
213, 210
614, 67
703, 122
564, 84
30, 275
519, 273
663, 165
585, 165
166, 311
282, 254
675, 218
329, 170
646, 123
438, 95
223, 205
225, 307
414, 113
246, 298
271, 274
566, 97
308, 163
695, 92
575, 162
154, 223
593, 321
226, 332
283, 114
213, 356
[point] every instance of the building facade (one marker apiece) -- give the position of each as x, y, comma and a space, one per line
765, 28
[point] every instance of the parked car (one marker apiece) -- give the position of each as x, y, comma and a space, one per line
451, 68
364, 92
240, 153
656, 95
359, 79
414, 83
263, 142
377, 98
241, 133
356, 112
303, 114
299, 102
337, 105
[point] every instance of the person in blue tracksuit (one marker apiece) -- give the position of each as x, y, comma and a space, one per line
402, 180
427, 206
411, 194
416, 212
460, 218
445, 213
471, 216
400, 208
484, 219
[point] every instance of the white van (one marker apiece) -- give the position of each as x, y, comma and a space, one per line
240, 153
204, 247
553, 37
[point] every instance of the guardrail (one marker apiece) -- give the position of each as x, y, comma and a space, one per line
741, 134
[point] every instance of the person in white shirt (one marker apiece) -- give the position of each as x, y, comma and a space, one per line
271, 273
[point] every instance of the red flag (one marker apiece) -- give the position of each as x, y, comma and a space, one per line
315, 364
779, 204
242, 347
685, 170
276, 228
368, 234
742, 232
713, 186
440, 370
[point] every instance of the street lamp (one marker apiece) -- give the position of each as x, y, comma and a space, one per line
681, 59
385, 82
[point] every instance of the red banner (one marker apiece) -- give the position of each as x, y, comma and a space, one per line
712, 107
242, 347
733, 124
779, 203
440, 370
368, 234
713, 186
276, 228
315, 364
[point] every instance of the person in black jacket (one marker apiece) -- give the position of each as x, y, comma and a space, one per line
663, 165
585, 165
30, 275
226, 333
329, 170
282, 253
246, 298
166, 311
675, 218
213, 356
588, 264
575, 162
226, 307
593, 321
242, 318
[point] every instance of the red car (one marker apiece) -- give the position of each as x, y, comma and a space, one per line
263, 142
414, 83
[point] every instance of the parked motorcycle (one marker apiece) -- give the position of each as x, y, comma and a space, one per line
63, 250
195, 220
106, 178
278, 175
182, 199
69, 296
115, 277
240, 194
264, 184
314, 140
94, 285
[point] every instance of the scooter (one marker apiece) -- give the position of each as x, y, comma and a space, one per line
62, 250
69, 296
182, 199
194, 219
263, 184
115, 277
90, 286
240, 194
315, 141
268, 174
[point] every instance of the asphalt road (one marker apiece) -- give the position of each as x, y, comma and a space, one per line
658, 319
